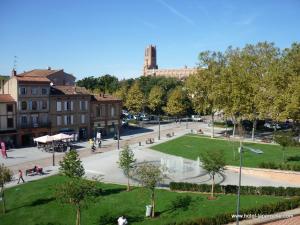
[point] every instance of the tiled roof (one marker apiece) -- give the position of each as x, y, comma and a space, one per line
69, 90
104, 97
32, 79
6, 98
38, 73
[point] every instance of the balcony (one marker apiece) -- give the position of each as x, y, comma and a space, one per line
34, 125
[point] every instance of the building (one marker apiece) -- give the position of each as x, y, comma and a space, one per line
48, 102
31, 94
105, 114
8, 125
70, 111
151, 68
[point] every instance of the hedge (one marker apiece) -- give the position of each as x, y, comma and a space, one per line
225, 218
232, 189
280, 166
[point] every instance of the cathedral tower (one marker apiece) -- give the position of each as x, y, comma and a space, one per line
150, 58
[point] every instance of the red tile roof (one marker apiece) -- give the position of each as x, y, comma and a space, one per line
38, 73
69, 90
6, 98
32, 79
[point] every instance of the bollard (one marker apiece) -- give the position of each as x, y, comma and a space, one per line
172, 133
140, 143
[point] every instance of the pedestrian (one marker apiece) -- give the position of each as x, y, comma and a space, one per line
21, 176
99, 144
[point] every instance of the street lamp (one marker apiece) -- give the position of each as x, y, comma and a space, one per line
186, 126
158, 128
118, 137
241, 149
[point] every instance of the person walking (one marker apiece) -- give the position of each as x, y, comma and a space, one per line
20, 176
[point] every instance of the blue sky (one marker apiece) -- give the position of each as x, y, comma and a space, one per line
98, 37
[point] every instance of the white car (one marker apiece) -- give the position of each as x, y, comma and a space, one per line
196, 118
272, 125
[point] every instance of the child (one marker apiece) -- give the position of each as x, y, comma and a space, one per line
20, 176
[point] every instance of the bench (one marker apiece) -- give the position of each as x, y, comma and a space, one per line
168, 135
150, 141
199, 131
32, 172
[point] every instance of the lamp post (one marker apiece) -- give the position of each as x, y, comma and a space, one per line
158, 128
186, 126
241, 149
118, 137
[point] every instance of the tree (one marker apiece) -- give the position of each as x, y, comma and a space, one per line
177, 102
90, 83
71, 165
135, 99
126, 162
203, 87
155, 99
121, 93
284, 139
150, 176
76, 192
5, 176
108, 83
213, 162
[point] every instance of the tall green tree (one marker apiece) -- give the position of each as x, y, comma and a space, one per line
150, 176
213, 162
155, 99
71, 165
203, 87
177, 102
127, 163
76, 192
135, 98
5, 177
284, 139
108, 83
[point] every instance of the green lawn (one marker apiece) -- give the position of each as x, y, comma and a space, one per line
190, 146
34, 203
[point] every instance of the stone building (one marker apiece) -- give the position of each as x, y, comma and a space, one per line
8, 125
70, 111
151, 69
105, 114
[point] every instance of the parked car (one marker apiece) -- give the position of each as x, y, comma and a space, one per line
196, 118
272, 125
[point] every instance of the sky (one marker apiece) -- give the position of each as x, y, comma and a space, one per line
96, 37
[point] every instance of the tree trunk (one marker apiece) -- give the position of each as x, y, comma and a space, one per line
153, 204
212, 125
234, 128
128, 186
78, 216
253, 129
213, 185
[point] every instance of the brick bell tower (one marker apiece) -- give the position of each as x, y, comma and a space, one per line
150, 59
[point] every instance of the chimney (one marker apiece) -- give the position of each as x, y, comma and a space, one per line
14, 72
49, 68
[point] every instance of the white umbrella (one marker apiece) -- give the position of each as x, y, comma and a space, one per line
61, 136
44, 139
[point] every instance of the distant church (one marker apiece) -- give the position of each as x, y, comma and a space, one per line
151, 68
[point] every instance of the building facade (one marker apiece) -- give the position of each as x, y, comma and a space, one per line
49, 102
8, 125
105, 114
151, 68
70, 111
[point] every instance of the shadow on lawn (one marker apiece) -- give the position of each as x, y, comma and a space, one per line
49, 223
41, 201
112, 191
293, 158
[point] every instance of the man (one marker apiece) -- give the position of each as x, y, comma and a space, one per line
20, 176
122, 220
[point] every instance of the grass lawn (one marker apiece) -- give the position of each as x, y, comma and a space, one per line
34, 203
190, 146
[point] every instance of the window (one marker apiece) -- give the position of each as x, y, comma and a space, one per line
58, 106
44, 104
83, 118
44, 91
68, 105
23, 120
24, 105
98, 111
34, 105
34, 91
82, 105
10, 123
23, 91
9, 108
112, 111
58, 120
68, 119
